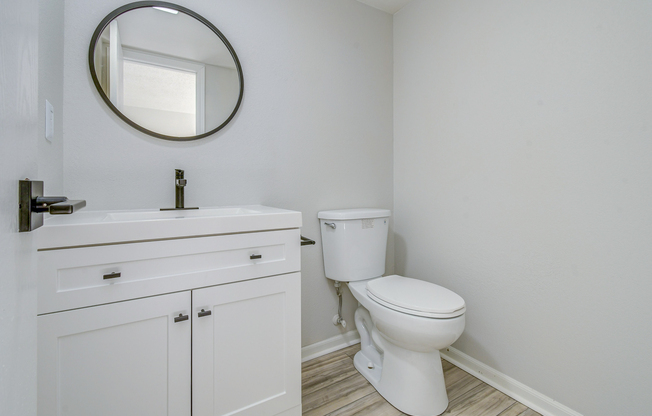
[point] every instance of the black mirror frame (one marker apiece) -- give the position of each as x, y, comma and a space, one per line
139, 5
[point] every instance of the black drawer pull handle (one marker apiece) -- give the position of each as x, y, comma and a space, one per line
256, 256
181, 318
111, 275
203, 313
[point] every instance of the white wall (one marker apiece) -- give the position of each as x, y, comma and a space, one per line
222, 89
522, 182
50, 83
18, 160
314, 131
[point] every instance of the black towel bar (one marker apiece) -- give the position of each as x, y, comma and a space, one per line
307, 242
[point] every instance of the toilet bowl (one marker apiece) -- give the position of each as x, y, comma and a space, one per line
402, 322
399, 352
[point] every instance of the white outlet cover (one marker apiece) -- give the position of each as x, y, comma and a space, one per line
49, 121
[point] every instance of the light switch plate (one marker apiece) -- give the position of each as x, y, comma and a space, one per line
49, 121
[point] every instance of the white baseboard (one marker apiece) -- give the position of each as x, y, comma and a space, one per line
329, 345
514, 389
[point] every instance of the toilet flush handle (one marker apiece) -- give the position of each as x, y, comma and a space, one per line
331, 224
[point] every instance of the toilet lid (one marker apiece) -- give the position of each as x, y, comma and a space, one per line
415, 297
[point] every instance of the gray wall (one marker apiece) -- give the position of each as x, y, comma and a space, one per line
18, 159
222, 89
50, 87
522, 182
314, 131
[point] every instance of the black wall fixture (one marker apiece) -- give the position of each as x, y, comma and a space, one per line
32, 205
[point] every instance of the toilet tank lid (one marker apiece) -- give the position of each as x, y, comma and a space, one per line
354, 214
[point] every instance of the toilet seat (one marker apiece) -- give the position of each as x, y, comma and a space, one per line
415, 297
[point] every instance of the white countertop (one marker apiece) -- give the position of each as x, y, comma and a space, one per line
109, 227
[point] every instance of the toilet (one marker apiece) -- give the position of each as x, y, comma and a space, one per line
403, 322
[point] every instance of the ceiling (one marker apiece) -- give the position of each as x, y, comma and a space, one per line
389, 6
173, 35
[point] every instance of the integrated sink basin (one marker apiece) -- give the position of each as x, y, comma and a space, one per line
179, 214
110, 227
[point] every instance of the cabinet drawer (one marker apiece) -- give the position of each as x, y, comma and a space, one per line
86, 276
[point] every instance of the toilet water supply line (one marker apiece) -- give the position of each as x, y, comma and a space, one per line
337, 319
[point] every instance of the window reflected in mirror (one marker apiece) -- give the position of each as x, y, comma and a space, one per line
160, 97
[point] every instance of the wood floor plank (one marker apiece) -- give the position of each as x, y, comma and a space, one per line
352, 350
514, 410
483, 401
326, 374
331, 398
446, 365
466, 399
494, 404
331, 386
529, 412
334, 356
372, 404
459, 383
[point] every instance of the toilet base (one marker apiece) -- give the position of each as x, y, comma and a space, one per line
408, 395
411, 381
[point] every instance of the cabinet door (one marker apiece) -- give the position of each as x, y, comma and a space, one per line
128, 358
247, 352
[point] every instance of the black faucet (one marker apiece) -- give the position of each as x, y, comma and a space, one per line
180, 184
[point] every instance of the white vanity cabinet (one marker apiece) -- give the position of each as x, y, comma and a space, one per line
127, 358
247, 353
201, 325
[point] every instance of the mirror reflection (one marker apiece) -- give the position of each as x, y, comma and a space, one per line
166, 72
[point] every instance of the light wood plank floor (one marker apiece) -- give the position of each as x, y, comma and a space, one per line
333, 387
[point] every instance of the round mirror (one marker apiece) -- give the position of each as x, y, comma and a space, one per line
166, 70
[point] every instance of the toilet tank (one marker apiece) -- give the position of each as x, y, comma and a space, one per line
354, 243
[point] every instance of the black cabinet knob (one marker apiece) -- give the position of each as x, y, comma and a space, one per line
203, 313
181, 318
